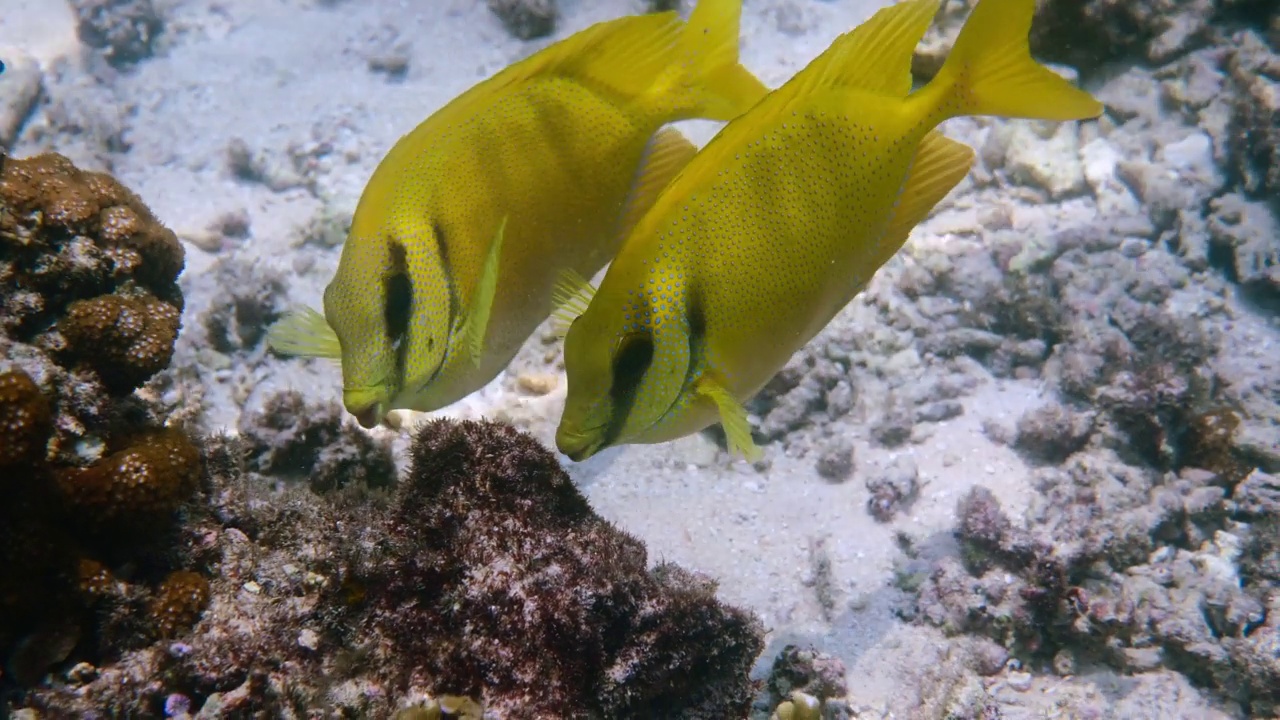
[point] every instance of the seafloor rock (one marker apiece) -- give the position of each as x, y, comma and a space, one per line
23, 80
485, 574
1126, 566
254, 297
502, 583
1088, 32
291, 438
125, 30
1254, 67
526, 19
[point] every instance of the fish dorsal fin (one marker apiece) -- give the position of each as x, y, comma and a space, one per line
571, 294
304, 332
939, 165
625, 54
477, 320
875, 56
665, 156
733, 418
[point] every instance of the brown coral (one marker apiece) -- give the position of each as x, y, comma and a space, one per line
126, 340
179, 601
25, 419
89, 306
49, 200
146, 480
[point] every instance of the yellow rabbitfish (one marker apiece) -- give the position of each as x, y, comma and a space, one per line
458, 237
781, 220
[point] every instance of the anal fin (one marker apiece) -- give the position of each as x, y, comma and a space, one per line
733, 418
940, 164
477, 320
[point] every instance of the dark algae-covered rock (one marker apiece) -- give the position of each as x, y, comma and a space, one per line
483, 579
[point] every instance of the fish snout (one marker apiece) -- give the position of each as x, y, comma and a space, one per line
576, 446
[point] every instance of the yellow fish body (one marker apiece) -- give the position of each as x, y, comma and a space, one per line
458, 238
781, 220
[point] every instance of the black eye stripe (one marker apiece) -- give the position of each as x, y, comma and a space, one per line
630, 363
397, 292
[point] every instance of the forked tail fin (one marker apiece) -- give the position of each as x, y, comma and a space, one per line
990, 71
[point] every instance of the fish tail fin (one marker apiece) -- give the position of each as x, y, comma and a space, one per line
990, 71
304, 333
707, 80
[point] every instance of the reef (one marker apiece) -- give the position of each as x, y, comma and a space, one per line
1127, 568
484, 574
93, 479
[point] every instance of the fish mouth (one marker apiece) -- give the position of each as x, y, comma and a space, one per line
370, 417
368, 404
578, 446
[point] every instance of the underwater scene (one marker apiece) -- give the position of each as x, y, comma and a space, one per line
653, 359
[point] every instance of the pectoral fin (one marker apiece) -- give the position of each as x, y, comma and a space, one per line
733, 418
304, 333
477, 321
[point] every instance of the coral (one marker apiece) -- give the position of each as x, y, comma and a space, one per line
526, 19
124, 340
290, 437
178, 602
25, 419
93, 479
125, 30
146, 480
70, 234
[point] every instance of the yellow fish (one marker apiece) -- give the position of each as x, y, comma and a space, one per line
781, 220
456, 242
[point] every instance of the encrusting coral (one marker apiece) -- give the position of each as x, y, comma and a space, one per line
483, 579
91, 479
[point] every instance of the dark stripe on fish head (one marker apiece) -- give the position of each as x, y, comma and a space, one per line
631, 360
